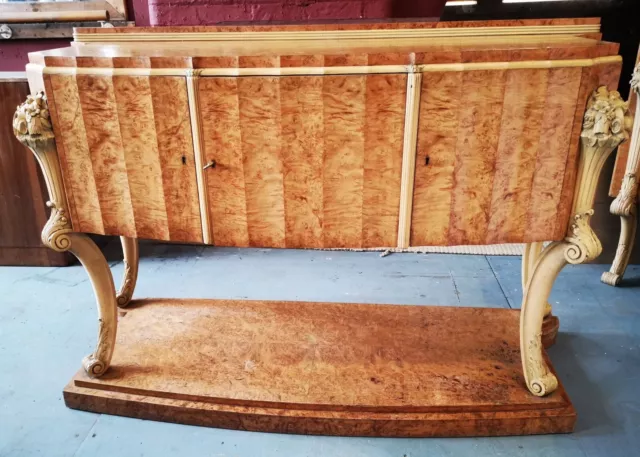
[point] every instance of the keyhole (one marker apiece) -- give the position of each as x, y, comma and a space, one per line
184, 160
426, 160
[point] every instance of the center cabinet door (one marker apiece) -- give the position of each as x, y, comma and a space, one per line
303, 161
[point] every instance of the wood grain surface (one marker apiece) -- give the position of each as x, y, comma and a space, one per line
126, 155
304, 161
315, 368
315, 161
23, 192
497, 153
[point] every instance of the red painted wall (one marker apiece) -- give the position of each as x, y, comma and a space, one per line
204, 12
13, 53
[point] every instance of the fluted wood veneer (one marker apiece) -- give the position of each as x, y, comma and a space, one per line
316, 161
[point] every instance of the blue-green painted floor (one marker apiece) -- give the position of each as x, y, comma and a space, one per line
48, 323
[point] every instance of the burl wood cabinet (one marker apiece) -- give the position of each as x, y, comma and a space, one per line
328, 136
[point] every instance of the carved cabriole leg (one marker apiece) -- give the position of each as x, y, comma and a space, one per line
32, 127
550, 324
628, 228
131, 262
625, 203
604, 128
97, 267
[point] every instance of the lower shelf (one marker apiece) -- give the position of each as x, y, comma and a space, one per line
322, 368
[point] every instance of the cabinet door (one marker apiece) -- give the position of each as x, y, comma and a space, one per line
126, 155
495, 150
303, 161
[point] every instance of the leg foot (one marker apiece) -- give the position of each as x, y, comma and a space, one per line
629, 226
539, 378
94, 262
131, 262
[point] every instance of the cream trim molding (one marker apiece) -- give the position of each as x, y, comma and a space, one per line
332, 35
355, 70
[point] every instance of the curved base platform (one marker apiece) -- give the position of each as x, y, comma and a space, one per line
322, 368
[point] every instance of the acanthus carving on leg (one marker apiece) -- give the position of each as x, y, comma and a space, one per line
32, 126
604, 128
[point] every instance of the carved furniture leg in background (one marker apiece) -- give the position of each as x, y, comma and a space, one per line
625, 203
628, 229
131, 262
550, 323
604, 128
32, 126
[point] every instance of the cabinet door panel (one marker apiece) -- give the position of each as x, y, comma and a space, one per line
304, 161
493, 153
126, 154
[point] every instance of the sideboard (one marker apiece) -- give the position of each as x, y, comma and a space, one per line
326, 136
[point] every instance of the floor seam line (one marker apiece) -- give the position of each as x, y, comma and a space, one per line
88, 434
498, 281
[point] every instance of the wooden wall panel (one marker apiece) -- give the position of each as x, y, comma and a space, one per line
23, 192
308, 161
478, 132
437, 137
175, 147
126, 155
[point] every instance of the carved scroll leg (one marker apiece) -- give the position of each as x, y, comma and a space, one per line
96, 265
540, 380
629, 225
131, 262
551, 323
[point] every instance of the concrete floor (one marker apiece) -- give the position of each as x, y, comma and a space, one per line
48, 323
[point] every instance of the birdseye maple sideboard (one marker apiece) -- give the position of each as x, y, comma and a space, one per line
326, 136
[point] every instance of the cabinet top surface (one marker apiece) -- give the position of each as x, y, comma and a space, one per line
327, 45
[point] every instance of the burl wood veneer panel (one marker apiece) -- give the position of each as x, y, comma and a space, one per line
304, 161
322, 368
497, 152
126, 154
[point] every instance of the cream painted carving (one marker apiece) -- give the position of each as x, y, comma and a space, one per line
32, 127
606, 124
625, 203
130, 277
